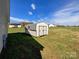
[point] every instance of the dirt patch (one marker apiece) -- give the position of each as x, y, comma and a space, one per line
77, 34
47, 54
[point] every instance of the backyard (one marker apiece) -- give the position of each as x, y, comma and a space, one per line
60, 43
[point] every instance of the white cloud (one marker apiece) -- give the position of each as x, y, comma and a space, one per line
14, 20
64, 12
33, 6
67, 15
34, 21
30, 13
43, 20
73, 20
67, 11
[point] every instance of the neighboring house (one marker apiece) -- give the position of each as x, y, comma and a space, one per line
38, 29
14, 25
52, 25
4, 19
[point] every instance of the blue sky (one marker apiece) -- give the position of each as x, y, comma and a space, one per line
63, 12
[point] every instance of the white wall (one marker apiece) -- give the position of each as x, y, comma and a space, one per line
19, 26
11, 26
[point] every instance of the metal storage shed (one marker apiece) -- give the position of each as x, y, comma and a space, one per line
4, 19
38, 29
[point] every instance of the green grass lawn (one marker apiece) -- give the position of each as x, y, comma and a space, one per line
60, 43
15, 30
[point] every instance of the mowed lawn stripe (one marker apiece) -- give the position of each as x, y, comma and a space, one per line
60, 43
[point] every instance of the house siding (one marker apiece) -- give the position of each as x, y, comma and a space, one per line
4, 19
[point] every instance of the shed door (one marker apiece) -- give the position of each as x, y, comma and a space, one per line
42, 30
45, 30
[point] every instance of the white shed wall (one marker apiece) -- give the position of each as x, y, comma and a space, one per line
38, 29
42, 29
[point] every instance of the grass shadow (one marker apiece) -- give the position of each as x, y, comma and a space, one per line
21, 46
